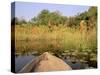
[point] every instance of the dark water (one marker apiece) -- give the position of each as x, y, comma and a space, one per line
77, 65
21, 61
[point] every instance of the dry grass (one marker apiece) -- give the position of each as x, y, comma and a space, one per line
55, 39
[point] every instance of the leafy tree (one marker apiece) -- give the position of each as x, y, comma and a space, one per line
45, 17
49, 18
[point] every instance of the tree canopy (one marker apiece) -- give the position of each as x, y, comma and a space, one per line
45, 17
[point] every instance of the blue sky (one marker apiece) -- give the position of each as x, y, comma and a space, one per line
28, 10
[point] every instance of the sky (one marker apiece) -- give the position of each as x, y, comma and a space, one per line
28, 10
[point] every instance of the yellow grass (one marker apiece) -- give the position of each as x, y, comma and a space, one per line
61, 38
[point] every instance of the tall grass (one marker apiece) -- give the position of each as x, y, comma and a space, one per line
57, 39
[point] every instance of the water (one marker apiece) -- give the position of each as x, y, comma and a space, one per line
78, 65
21, 61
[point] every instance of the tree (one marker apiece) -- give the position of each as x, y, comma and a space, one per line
45, 17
